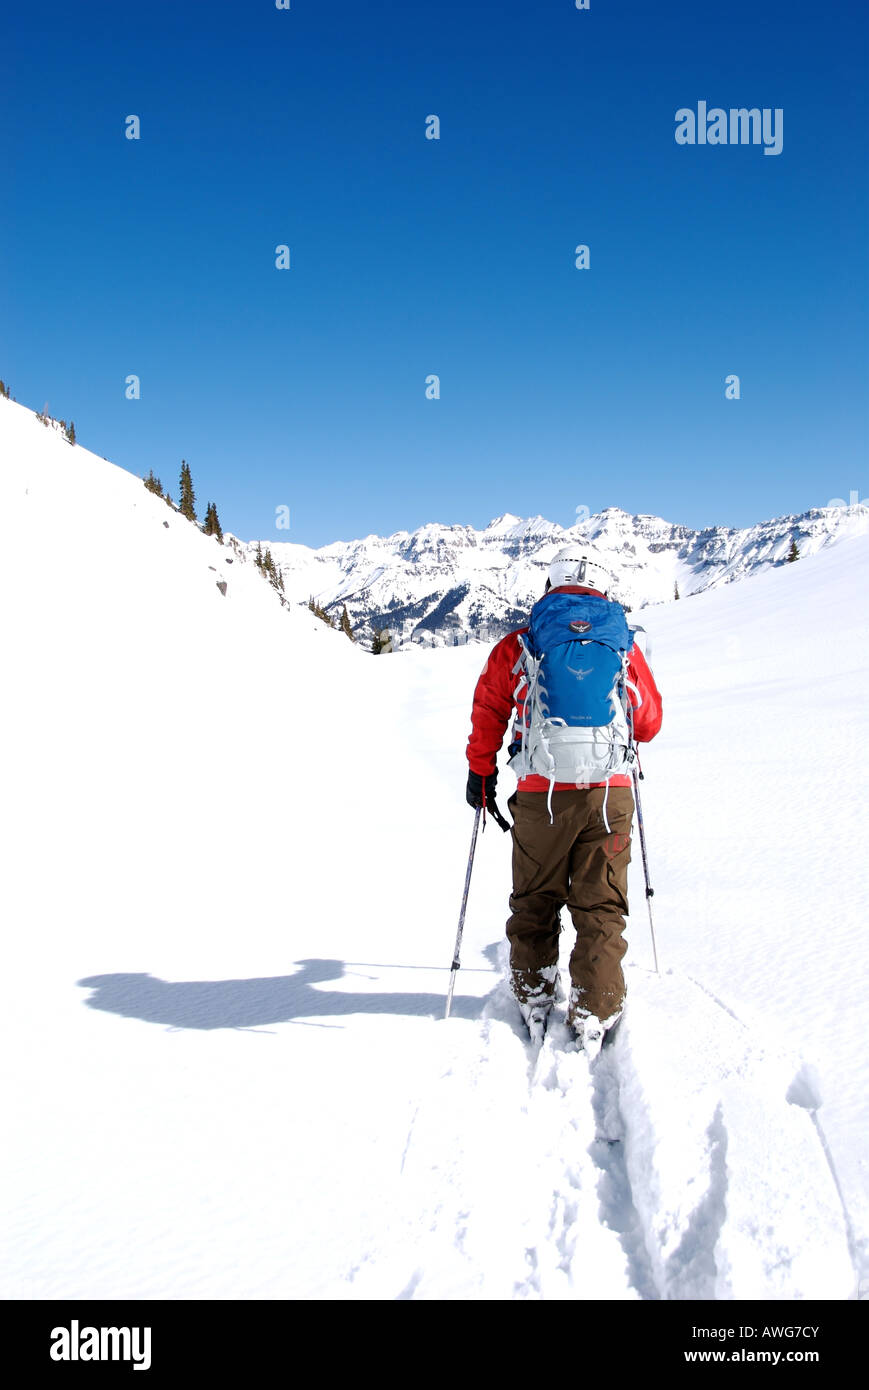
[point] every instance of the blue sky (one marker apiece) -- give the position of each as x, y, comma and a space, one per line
560, 388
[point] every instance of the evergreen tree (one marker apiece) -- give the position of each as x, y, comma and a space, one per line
345, 624
377, 644
153, 484
320, 612
272, 573
188, 496
4, 389
258, 558
676, 593
794, 552
212, 525
70, 431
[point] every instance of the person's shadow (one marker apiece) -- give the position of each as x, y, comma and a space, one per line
253, 1003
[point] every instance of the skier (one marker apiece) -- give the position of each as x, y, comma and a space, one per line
571, 838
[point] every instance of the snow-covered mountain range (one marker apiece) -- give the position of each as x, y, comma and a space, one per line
446, 583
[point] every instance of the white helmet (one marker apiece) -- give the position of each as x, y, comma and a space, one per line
580, 564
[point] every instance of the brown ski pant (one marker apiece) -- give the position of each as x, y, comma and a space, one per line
578, 862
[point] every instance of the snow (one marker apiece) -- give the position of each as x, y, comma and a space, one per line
235, 847
459, 581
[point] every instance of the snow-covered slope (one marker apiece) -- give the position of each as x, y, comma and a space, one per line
442, 583
234, 855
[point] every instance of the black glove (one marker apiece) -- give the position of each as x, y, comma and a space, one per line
476, 783
474, 796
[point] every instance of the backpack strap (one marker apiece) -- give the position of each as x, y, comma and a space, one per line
528, 668
606, 793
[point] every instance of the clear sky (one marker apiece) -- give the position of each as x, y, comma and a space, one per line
560, 388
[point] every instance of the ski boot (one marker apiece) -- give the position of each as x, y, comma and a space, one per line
535, 1017
592, 1034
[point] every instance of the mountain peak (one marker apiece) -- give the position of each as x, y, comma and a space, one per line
444, 583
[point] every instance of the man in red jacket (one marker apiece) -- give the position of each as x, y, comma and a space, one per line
571, 840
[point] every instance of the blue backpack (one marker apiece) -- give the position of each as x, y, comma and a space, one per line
575, 720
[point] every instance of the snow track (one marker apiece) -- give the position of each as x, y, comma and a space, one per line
733, 1191
503, 1180
683, 1164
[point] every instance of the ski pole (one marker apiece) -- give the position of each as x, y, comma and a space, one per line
455, 965
649, 889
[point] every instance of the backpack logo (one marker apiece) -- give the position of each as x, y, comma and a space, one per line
580, 625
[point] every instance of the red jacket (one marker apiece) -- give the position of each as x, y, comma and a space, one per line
494, 706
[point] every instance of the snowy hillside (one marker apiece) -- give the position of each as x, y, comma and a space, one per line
234, 860
441, 583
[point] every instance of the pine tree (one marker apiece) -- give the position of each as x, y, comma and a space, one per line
676, 593
258, 558
377, 644
70, 432
320, 612
212, 525
188, 496
272, 573
794, 552
345, 624
153, 484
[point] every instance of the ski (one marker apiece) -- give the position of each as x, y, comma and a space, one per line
535, 1020
595, 1037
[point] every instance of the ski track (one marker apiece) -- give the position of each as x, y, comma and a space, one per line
504, 1184
661, 1171
736, 1195
804, 1092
